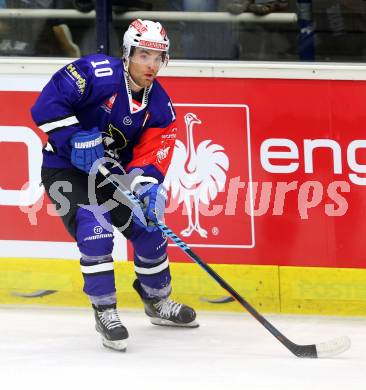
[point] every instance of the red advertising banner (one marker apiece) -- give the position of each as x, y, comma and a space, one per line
204, 181
19, 151
265, 171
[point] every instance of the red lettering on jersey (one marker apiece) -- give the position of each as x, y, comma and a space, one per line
155, 147
109, 103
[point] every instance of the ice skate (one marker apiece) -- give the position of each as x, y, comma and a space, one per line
107, 323
167, 312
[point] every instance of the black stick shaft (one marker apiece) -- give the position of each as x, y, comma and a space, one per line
298, 350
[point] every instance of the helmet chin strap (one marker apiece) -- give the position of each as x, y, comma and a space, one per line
126, 63
133, 81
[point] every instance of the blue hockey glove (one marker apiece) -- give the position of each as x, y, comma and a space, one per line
87, 147
154, 197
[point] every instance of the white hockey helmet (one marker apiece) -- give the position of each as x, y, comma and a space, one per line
147, 34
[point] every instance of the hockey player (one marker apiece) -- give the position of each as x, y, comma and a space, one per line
104, 106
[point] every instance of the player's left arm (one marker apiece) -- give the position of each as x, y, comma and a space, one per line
152, 155
153, 152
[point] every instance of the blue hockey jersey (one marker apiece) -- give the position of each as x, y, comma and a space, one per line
93, 92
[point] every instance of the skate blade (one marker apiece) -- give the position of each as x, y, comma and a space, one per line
163, 322
118, 345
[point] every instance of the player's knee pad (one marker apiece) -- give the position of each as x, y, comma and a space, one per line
94, 236
149, 244
94, 231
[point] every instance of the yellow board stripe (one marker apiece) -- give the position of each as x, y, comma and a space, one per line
259, 284
338, 291
268, 288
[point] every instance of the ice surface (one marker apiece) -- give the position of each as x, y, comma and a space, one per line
45, 348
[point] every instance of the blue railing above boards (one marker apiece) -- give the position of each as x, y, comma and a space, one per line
308, 31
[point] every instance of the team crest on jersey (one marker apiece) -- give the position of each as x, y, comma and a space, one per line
108, 104
127, 121
114, 141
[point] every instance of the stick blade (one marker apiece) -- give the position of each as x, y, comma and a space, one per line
333, 347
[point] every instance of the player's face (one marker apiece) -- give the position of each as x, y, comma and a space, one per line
144, 65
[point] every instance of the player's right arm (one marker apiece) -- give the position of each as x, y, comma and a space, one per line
54, 110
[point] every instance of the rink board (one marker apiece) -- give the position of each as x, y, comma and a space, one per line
19, 277
304, 254
274, 289
292, 179
311, 290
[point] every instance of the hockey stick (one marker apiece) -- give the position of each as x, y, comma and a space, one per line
321, 350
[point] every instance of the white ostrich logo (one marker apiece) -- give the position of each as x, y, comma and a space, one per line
196, 175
